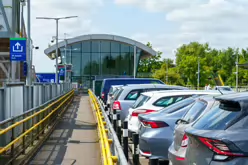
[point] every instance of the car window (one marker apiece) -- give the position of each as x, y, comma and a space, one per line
140, 101
195, 111
166, 101
111, 90
216, 119
118, 93
133, 95
174, 107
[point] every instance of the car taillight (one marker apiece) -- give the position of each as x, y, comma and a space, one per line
221, 149
136, 113
103, 95
154, 124
117, 105
185, 140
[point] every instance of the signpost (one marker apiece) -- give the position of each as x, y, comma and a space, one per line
18, 49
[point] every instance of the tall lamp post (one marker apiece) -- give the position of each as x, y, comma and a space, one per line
57, 33
237, 72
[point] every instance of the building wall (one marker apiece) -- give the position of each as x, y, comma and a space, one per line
99, 57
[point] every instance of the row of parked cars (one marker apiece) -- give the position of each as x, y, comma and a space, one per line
182, 126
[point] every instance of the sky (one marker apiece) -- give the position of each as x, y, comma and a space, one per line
167, 24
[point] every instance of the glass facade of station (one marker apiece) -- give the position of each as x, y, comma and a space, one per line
99, 57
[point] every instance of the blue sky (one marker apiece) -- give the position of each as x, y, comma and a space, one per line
167, 24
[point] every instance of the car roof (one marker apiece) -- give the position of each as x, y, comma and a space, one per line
177, 92
116, 86
141, 86
129, 79
235, 97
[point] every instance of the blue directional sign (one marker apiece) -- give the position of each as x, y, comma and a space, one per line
62, 72
45, 77
17, 49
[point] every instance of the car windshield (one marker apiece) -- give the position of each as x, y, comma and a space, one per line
216, 119
225, 89
140, 101
177, 106
195, 111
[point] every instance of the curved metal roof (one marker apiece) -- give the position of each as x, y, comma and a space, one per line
149, 51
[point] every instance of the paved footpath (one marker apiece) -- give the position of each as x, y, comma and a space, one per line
74, 140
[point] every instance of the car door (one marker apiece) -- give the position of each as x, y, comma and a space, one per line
129, 100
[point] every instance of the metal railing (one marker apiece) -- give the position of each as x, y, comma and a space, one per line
17, 98
22, 131
111, 149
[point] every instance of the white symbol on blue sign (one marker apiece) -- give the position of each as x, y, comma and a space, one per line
18, 48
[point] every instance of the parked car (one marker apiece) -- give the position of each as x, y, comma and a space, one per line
129, 94
150, 102
112, 90
160, 123
107, 83
177, 150
220, 136
224, 88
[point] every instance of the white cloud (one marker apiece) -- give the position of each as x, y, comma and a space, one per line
43, 30
159, 5
222, 23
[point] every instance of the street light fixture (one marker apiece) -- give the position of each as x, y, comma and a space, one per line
57, 29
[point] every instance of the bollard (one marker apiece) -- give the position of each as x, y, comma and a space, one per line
135, 149
106, 110
125, 139
119, 127
153, 161
114, 119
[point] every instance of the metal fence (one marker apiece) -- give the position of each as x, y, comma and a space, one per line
17, 98
20, 132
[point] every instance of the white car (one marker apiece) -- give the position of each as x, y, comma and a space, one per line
150, 102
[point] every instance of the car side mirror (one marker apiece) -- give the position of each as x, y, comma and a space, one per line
178, 121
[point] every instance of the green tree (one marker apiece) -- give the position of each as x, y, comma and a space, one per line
150, 64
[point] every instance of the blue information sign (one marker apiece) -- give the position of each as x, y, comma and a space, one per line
45, 77
62, 72
17, 49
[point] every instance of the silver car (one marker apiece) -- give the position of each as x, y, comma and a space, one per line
151, 146
220, 136
177, 150
111, 93
127, 95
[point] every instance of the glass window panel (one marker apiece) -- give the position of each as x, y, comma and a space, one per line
86, 46
76, 61
115, 63
86, 65
95, 64
115, 47
131, 48
105, 46
125, 48
95, 46
68, 55
76, 48
105, 63
131, 65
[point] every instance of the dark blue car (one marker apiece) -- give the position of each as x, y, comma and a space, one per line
107, 83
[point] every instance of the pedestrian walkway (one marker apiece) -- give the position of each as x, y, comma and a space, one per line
74, 141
